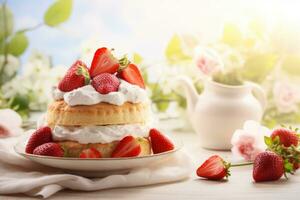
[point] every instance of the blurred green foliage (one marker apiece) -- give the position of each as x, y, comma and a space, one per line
15, 42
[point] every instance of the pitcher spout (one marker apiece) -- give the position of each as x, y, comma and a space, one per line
190, 92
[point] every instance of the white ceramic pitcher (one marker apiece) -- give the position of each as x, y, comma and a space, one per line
221, 109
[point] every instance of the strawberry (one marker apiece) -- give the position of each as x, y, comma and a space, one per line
49, 149
90, 153
103, 62
132, 74
106, 83
214, 168
127, 147
39, 137
286, 137
159, 142
76, 77
268, 166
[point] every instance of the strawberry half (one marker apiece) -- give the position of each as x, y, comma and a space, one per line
214, 168
41, 136
127, 147
159, 142
132, 75
90, 153
103, 62
268, 166
106, 83
76, 77
49, 149
286, 137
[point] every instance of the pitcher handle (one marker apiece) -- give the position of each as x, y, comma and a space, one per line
259, 93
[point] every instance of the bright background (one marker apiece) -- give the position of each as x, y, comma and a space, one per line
253, 40
146, 26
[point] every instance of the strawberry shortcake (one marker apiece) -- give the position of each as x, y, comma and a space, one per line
99, 112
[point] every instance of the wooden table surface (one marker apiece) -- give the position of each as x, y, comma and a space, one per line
240, 185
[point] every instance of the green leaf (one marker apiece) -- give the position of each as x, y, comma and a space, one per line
137, 58
174, 52
288, 166
162, 106
18, 44
58, 12
291, 65
268, 141
258, 66
232, 35
5, 13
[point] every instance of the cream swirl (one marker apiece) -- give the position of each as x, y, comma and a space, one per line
87, 95
99, 134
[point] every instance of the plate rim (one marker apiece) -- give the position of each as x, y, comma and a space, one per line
178, 145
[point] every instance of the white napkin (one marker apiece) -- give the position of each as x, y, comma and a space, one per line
20, 175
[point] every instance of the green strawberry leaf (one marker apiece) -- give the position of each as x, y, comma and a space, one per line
268, 141
288, 166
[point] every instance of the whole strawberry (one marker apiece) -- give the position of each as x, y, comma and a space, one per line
286, 137
39, 137
105, 83
76, 77
159, 142
214, 168
49, 149
268, 166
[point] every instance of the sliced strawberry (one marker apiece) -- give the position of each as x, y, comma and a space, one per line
49, 149
103, 62
106, 83
39, 137
127, 147
77, 76
214, 168
90, 153
159, 142
132, 75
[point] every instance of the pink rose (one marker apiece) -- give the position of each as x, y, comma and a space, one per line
207, 60
249, 141
286, 97
10, 123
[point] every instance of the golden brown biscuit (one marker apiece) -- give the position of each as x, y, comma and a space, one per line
73, 149
59, 113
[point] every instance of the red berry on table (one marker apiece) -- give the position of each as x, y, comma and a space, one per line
103, 62
268, 166
159, 142
132, 75
49, 149
214, 168
39, 137
286, 137
106, 83
127, 147
90, 153
77, 76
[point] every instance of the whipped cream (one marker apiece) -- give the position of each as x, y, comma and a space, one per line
99, 134
87, 95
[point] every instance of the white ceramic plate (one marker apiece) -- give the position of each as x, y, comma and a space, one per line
87, 167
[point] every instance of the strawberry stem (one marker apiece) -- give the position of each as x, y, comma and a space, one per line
241, 164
